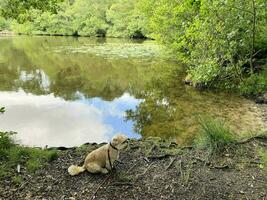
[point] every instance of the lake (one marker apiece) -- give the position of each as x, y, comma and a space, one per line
66, 91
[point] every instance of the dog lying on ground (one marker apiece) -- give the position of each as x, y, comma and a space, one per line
102, 159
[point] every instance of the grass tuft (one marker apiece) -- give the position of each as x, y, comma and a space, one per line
124, 177
214, 135
263, 155
17, 179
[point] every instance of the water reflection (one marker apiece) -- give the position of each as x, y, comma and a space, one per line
67, 91
49, 120
172, 109
116, 67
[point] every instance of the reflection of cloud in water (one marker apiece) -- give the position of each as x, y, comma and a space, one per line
41, 120
37, 74
116, 107
114, 112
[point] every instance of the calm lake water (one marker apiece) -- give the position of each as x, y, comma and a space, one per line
65, 91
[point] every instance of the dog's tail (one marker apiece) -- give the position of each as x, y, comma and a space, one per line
74, 170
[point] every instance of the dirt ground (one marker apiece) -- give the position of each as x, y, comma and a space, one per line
150, 169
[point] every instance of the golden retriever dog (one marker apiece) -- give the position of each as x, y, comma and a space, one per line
102, 159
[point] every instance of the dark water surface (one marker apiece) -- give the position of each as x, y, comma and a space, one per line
64, 91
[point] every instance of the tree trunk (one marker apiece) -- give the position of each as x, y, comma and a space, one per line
253, 33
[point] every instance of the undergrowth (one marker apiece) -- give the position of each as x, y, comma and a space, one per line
214, 135
13, 155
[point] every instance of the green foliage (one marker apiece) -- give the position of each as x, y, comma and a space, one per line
216, 39
263, 155
16, 179
4, 24
19, 10
254, 85
115, 18
205, 72
2, 109
28, 158
214, 135
126, 20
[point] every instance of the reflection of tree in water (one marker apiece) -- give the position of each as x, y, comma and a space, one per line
67, 82
109, 90
68, 74
159, 115
171, 109
7, 77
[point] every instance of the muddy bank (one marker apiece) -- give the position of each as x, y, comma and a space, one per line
150, 169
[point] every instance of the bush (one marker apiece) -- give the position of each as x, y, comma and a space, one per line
254, 85
214, 136
4, 24
214, 38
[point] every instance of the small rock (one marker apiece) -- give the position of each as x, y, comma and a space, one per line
49, 188
49, 177
28, 196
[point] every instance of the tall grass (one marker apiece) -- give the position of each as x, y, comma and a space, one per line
214, 135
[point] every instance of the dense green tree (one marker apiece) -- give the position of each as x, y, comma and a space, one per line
18, 8
126, 20
218, 40
115, 18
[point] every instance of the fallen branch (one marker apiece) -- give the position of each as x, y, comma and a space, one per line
255, 162
187, 147
152, 149
221, 167
100, 185
146, 159
160, 156
170, 164
144, 172
258, 137
133, 165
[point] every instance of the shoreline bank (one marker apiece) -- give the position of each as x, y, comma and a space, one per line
150, 169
